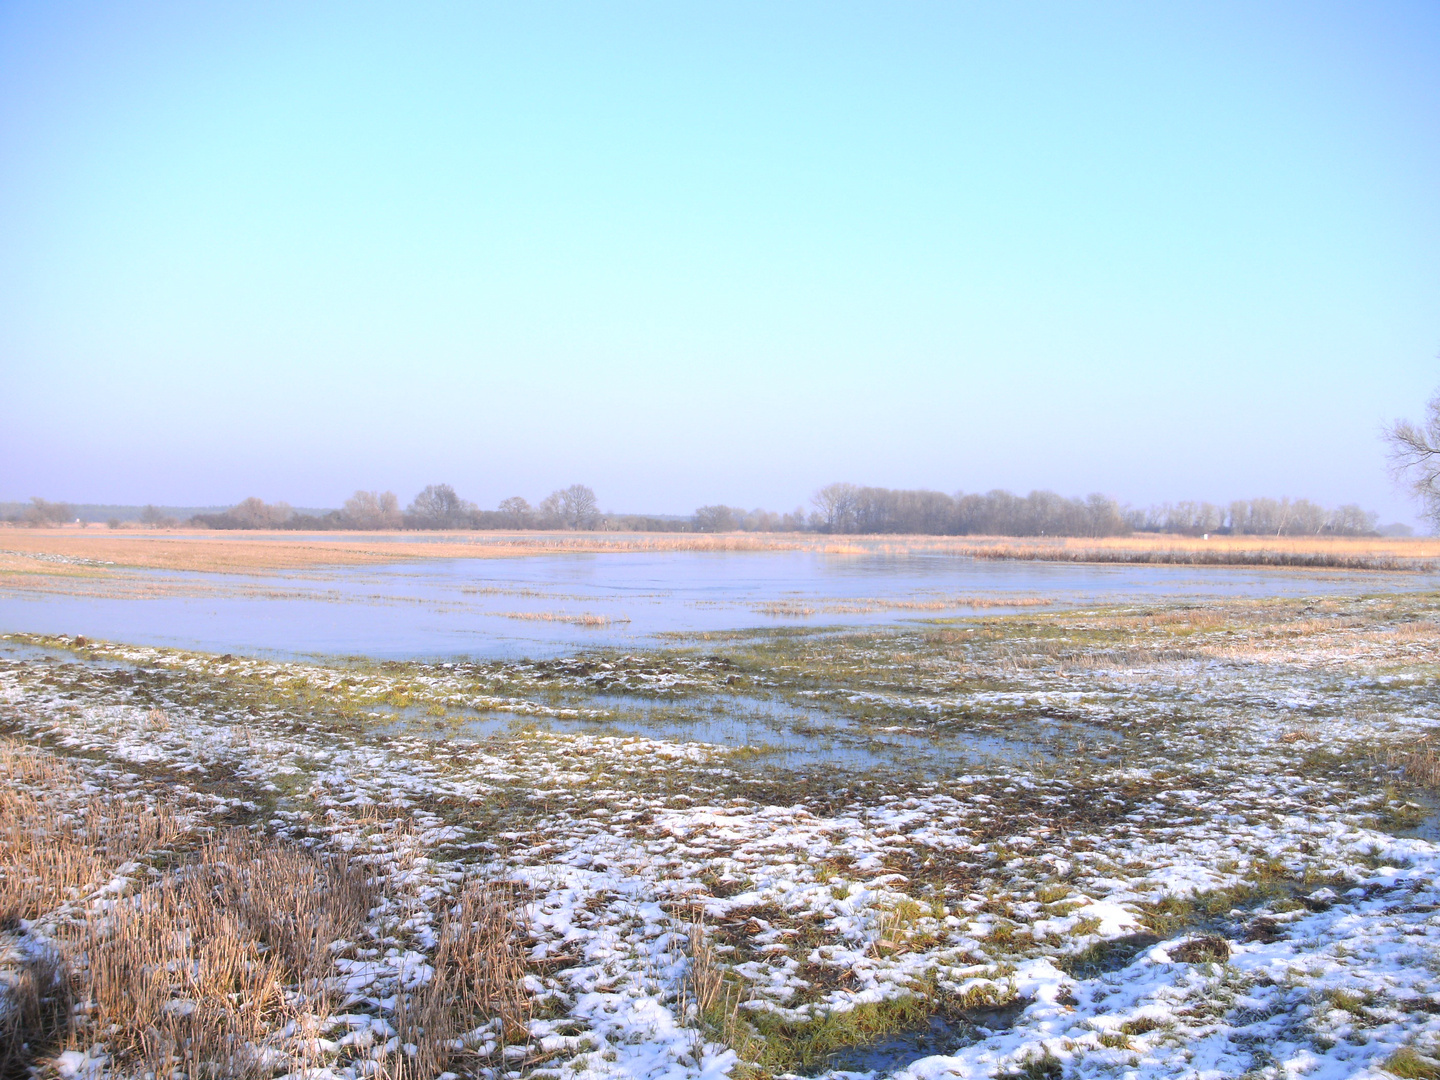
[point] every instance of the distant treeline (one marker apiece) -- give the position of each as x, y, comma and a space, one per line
837, 508
846, 508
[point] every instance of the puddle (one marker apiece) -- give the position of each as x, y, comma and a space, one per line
771, 734
1107, 956
1428, 829
774, 734
940, 1035
904, 1048
25, 651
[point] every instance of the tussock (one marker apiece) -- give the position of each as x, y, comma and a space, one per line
476, 1004
711, 997
52, 851
187, 968
1419, 761
582, 619
36, 1013
193, 971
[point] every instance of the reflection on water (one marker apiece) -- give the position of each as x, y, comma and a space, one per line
764, 732
551, 605
772, 732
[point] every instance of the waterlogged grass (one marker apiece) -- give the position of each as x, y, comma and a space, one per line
230, 552
1210, 842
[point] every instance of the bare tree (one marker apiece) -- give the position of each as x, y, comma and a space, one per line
517, 510
1414, 451
372, 510
715, 519
155, 517
550, 511
573, 507
581, 507
438, 507
44, 512
255, 513
835, 504
1351, 520
390, 516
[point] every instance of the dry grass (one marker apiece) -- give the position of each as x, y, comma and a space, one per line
257, 552
212, 950
582, 619
52, 851
194, 971
1419, 760
37, 1013
189, 968
1329, 553
711, 996
476, 1003
865, 606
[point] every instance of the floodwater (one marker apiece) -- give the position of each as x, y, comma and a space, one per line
539, 606
776, 733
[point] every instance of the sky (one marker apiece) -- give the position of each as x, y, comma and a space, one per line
694, 253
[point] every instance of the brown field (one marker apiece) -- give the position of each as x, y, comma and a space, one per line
71, 552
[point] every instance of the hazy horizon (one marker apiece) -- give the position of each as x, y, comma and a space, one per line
693, 255
14, 510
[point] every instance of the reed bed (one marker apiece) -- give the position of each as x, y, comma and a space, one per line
189, 953
198, 970
1418, 759
480, 965
580, 619
802, 608
38, 1002
52, 851
1281, 557
191, 968
57, 552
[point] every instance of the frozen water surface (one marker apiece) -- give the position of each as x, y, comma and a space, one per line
553, 605
778, 733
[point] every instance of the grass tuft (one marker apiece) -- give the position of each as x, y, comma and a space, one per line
36, 1015
1410, 1064
476, 1003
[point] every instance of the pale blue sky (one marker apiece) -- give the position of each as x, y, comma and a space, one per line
693, 253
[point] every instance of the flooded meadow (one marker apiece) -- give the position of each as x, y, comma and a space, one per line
549, 605
795, 817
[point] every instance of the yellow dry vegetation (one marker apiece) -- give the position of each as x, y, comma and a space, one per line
92, 552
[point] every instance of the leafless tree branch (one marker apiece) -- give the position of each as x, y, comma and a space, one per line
1414, 452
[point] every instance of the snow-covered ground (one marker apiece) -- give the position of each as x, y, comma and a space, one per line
1207, 865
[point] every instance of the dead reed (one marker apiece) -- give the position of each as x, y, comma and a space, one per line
1284, 557
866, 606
194, 972
581, 619
36, 1006
711, 997
188, 961
87, 553
476, 1003
53, 850
1419, 761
